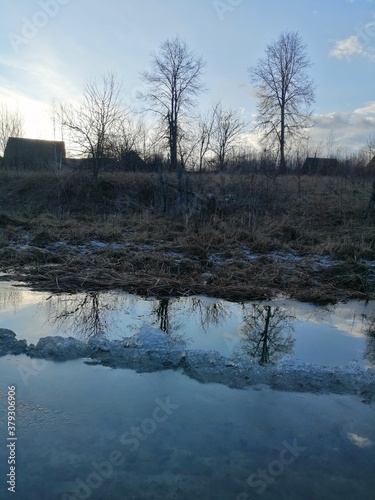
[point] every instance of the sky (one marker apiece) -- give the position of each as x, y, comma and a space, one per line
50, 48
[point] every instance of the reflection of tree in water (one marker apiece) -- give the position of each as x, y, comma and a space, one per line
165, 311
210, 314
161, 310
84, 314
10, 297
369, 353
267, 333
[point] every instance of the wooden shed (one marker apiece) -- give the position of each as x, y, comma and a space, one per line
323, 166
32, 153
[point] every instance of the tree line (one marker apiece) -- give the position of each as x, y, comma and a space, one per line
101, 126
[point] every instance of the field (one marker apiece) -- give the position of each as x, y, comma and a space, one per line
233, 236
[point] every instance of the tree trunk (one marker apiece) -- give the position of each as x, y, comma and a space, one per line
282, 142
173, 149
95, 169
265, 357
174, 130
371, 202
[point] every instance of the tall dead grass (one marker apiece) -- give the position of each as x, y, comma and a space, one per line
168, 233
308, 214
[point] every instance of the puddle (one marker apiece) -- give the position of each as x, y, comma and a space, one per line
93, 432
90, 431
264, 331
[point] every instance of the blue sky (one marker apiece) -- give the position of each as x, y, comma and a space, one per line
48, 49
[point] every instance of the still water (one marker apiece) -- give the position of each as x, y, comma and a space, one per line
112, 434
329, 336
89, 431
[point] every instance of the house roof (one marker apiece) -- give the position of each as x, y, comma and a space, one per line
323, 165
34, 150
318, 161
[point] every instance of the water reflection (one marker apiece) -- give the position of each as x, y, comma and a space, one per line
164, 313
369, 353
328, 336
161, 311
84, 314
209, 313
171, 315
10, 298
267, 333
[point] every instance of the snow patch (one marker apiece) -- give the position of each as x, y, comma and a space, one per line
151, 350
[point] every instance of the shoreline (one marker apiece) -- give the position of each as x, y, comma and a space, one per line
240, 277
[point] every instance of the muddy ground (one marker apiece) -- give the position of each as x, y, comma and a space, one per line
164, 269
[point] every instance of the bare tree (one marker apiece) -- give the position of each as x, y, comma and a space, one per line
130, 135
84, 314
371, 147
284, 90
11, 125
267, 333
205, 128
194, 140
226, 130
96, 119
173, 81
186, 145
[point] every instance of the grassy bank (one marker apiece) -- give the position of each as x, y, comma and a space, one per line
231, 236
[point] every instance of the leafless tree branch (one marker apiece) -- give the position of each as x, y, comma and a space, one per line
11, 125
285, 91
96, 119
173, 81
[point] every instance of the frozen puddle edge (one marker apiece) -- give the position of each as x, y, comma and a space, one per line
152, 350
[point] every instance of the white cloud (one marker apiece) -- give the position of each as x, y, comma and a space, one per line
349, 130
360, 441
362, 43
347, 48
37, 121
368, 109
40, 77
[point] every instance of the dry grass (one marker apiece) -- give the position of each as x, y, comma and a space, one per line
201, 248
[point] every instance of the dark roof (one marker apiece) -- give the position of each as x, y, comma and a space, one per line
132, 161
34, 150
320, 165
